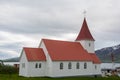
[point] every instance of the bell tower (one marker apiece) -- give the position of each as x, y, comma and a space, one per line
85, 38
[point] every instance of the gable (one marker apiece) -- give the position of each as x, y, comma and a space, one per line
34, 54
23, 56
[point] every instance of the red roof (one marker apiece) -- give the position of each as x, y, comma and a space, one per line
84, 33
95, 58
67, 51
34, 54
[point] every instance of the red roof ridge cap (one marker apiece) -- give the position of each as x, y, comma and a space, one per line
31, 48
58, 40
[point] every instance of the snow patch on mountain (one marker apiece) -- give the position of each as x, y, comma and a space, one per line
116, 47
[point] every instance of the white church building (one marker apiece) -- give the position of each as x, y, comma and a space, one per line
56, 58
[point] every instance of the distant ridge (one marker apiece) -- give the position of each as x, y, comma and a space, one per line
16, 59
105, 53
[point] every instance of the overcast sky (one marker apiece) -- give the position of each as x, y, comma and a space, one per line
23, 23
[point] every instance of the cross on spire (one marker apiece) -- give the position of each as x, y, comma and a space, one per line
84, 13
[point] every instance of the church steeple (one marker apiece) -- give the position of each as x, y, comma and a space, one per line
85, 38
85, 32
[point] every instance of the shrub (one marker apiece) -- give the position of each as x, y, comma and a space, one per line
7, 69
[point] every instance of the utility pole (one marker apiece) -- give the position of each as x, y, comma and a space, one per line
112, 59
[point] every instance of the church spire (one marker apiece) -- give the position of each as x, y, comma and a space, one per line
85, 32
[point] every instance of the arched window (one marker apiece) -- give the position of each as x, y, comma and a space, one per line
23, 65
85, 65
40, 65
61, 65
69, 65
95, 66
89, 44
36, 65
77, 65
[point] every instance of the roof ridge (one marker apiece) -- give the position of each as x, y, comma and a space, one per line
58, 40
31, 48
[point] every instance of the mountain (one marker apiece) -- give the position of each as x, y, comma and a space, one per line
105, 54
16, 59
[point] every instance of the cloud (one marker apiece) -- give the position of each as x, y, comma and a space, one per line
7, 54
11, 44
23, 23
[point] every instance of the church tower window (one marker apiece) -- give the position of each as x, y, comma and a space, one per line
89, 44
95, 66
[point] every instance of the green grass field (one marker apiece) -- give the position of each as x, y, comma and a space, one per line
16, 77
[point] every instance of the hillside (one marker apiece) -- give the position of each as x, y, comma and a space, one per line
105, 53
16, 59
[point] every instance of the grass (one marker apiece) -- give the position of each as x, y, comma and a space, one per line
16, 77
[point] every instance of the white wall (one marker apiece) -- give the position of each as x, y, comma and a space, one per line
36, 72
23, 60
30, 70
85, 44
97, 70
48, 69
53, 68
57, 72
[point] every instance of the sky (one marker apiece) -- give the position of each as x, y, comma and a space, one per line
23, 23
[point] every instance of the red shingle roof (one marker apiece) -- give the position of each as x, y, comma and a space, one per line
68, 51
34, 54
95, 59
61, 51
84, 33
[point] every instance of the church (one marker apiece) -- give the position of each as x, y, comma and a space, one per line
56, 58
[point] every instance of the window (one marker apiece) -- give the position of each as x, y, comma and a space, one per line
95, 66
85, 65
23, 65
77, 65
40, 65
89, 44
61, 65
69, 65
36, 65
